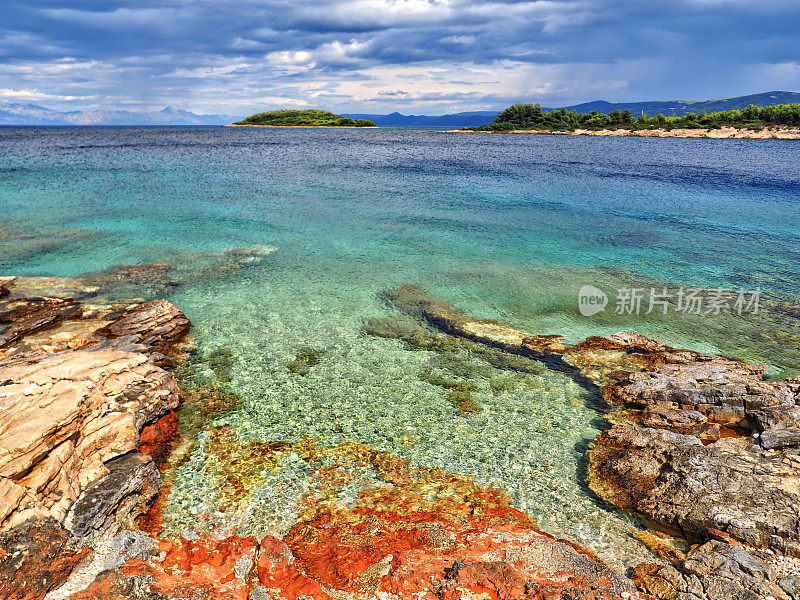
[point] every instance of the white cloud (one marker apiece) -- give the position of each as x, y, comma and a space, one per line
31, 95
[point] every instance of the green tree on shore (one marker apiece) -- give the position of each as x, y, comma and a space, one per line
532, 116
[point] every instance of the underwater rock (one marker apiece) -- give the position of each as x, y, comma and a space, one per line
412, 300
180, 267
305, 359
156, 276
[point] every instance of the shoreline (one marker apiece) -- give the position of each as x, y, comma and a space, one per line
725, 133
86, 515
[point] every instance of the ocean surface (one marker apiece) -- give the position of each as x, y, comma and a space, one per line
505, 227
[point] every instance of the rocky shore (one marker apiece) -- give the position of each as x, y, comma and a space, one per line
700, 446
723, 133
88, 400
706, 451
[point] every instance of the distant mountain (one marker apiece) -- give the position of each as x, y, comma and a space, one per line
395, 119
678, 108
32, 114
12, 113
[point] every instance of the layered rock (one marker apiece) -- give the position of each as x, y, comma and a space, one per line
20, 317
77, 389
64, 417
680, 483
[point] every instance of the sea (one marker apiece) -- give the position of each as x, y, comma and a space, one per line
282, 243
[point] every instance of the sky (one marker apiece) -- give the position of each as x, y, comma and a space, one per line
378, 56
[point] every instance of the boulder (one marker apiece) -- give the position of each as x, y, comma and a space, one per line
685, 486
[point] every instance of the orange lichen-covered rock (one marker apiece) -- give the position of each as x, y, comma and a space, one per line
434, 535
280, 576
203, 568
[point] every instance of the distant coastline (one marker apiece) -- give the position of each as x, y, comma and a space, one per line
724, 133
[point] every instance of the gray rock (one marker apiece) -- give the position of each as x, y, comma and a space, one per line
676, 481
776, 439
116, 499
127, 545
713, 571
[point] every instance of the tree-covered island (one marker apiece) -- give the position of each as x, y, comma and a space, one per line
523, 117
301, 118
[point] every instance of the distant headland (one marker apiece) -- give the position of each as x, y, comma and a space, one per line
780, 121
300, 118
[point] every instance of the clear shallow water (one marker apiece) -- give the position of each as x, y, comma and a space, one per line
505, 227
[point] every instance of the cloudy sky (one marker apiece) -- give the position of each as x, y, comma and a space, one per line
422, 56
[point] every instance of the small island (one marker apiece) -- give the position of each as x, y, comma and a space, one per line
781, 121
300, 118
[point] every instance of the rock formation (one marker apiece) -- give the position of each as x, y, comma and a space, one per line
77, 388
703, 447
88, 402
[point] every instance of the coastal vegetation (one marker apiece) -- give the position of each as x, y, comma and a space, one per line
302, 118
533, 117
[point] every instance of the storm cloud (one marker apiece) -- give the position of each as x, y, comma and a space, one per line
431, 56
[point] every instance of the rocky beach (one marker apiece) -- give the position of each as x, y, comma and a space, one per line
249, 373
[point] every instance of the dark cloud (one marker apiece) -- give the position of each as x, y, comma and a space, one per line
437, 55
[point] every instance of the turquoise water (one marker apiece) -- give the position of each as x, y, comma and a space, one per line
506, 227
